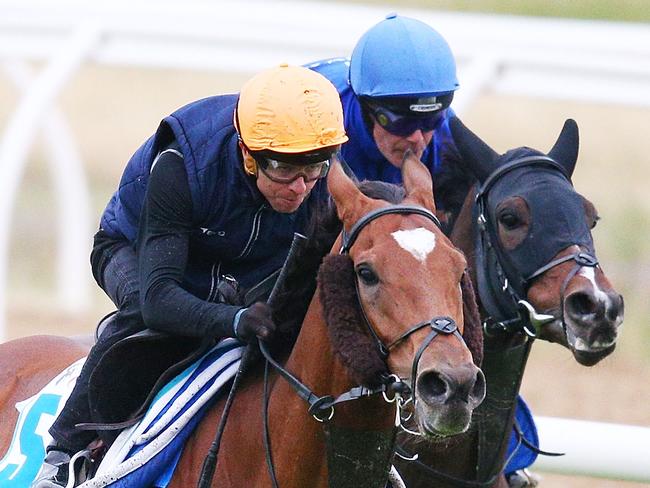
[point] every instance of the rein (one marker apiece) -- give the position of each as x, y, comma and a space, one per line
322, 407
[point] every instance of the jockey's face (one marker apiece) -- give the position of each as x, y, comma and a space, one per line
283, 197
393, 147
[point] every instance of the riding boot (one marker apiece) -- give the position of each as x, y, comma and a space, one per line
77, 407
54, 471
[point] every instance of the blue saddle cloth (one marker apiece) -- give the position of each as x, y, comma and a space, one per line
519, 456
146, 455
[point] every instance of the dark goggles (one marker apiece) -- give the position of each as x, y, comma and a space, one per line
404, 125
283, 172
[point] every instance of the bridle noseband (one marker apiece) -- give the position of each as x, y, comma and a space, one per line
508, 311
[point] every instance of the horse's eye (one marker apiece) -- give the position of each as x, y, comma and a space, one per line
594, 221
509, 220
367, 274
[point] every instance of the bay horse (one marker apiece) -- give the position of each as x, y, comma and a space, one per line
527, 234
389, 310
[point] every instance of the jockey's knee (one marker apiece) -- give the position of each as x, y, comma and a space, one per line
129, 307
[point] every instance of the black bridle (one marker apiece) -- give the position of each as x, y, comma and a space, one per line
501, 287
322, 407
438, 325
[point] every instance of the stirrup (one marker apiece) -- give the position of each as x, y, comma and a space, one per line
79, 468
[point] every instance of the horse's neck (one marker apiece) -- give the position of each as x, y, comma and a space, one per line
312, 358
455, 457
463, 232
303, 458
316, 364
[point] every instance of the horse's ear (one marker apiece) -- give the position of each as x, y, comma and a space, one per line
417, 181
565, 149
476, 154
348, 198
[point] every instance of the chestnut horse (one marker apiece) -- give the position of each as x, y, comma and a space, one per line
403, 278
528, 234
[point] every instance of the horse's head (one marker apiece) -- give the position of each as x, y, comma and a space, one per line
540, 231
408, 278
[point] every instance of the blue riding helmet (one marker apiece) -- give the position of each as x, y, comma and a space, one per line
401, 56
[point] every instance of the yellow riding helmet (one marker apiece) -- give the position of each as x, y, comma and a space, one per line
289, 109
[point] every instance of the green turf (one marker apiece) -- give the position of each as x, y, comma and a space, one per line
620, 10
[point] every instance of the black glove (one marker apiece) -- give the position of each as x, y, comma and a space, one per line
256, 321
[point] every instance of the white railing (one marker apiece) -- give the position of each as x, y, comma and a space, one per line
594, 449
592, 61
563, 59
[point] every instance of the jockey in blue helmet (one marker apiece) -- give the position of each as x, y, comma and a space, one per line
396, 90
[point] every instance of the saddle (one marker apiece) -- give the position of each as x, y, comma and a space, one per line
133, 370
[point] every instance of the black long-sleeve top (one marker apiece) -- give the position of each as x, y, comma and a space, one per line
162, 249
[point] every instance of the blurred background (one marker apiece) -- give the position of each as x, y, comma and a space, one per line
83, 84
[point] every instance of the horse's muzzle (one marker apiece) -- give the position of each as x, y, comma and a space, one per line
592, 321
446, 397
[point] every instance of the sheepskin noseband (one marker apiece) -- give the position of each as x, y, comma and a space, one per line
345, 324
348, 335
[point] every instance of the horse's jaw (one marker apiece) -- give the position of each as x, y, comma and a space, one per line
585, 352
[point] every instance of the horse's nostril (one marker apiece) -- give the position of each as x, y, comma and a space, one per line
616, 310
478, 390
432, 385
581, 304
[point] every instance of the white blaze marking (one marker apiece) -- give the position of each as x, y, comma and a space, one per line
419, 242
590, 274
581, 345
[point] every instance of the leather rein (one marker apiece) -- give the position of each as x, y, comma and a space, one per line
322, 407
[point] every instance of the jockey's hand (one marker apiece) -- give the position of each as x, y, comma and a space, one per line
255, 322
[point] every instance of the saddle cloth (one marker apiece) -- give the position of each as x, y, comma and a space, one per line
146, 454
23, 460
518, 455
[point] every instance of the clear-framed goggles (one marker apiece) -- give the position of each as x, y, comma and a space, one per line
286, 168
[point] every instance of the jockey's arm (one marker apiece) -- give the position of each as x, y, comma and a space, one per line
162, 248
